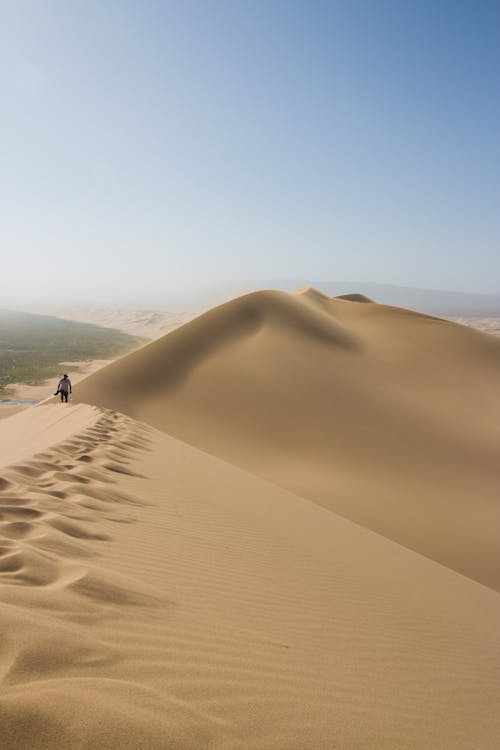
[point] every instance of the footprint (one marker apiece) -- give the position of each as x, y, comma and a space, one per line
11, 501
44, 465
31, 568
28, 471
99, 476
11, 563
107, 590
66, 477
16, 512
76, 530
58, 543
18, 530
121, 470
6, 547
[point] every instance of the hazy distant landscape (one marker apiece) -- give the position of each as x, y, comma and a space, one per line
476, 310
431, 301
33, 347
148, 323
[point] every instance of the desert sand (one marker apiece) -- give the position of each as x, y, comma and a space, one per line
388, 417
272, 528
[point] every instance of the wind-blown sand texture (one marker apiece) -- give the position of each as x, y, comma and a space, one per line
156, 596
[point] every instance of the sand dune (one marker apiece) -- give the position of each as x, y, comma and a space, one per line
154, 596
385, 416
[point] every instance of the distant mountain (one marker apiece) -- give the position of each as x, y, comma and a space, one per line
431, 301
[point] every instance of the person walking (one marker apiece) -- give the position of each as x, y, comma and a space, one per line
64, 388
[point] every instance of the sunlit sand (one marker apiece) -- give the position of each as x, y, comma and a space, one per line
274, 527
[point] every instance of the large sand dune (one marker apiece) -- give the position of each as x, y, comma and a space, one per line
153, 596
385, 416
157, 596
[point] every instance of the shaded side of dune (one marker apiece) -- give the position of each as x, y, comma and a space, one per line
386, 416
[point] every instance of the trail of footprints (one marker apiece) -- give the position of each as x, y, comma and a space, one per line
51, 505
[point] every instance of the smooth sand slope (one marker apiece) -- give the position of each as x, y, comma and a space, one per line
153, 597
385, 416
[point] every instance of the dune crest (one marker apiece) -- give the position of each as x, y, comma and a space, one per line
355, 297
45, 426
311, 292
154, 596
383, 415
315, 294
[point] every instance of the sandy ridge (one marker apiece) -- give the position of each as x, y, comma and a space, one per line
154, 596
386, 416
32, 431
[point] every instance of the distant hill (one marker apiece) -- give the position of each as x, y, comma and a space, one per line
32, 347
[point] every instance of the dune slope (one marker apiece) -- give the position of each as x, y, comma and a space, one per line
383, 415
153, 596
36, 429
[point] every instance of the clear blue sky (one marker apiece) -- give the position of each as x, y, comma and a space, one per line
147, 148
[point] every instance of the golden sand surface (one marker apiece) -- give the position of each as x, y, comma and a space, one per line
272, 528
385, 416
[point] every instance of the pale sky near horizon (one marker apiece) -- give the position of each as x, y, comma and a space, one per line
149, 148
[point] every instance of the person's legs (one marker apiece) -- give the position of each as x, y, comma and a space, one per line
64, 396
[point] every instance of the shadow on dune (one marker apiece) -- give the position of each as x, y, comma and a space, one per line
383, 415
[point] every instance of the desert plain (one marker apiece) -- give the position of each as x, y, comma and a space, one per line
275, 526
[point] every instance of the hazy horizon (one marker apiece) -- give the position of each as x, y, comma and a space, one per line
433, 301
151, 150
190, 296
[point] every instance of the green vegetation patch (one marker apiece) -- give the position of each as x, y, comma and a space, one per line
32, 347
